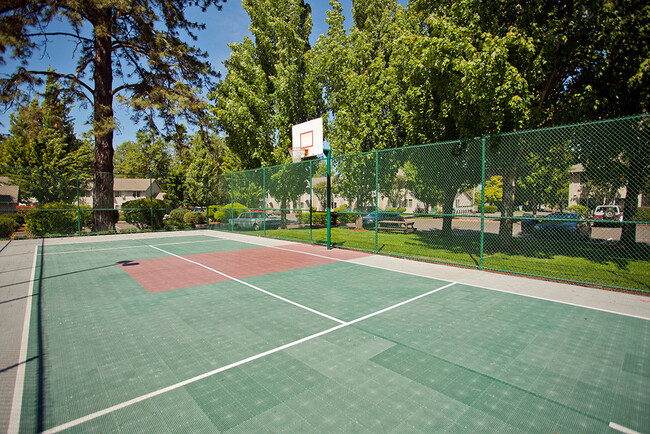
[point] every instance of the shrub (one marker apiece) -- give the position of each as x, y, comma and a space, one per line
7, 227
643, 214
18, 218
194, 218
346, 216
230, 210
176, 217
580, 209
490, 208
57, 218
138, 212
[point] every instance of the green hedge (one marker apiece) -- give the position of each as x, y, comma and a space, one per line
643, 214
194, 218
57, 218
18, 218
490, 208
8, 227
176, 218
138, 212
224, 213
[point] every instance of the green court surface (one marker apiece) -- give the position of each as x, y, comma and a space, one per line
334, 347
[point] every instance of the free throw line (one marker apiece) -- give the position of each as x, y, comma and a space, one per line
233, 365
256, 288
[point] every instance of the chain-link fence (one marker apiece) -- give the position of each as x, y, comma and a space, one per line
569, 203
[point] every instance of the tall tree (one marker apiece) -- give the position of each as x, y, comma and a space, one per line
41, 137
136, 42
150, 154
268, 87
355, 71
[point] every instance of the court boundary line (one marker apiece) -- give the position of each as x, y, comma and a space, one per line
568, 303
623, 429
256, 288
133, 247
208, 374
19, 385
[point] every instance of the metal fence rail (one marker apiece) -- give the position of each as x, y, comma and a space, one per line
529, 202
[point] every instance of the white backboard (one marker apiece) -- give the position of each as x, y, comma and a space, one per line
308, 136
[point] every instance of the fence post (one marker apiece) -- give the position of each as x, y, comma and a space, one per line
376, 201
481, 247
264, 199
232, 206
78, 205
151, 200
207, 202
311, 201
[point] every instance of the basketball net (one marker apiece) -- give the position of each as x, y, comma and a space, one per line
297, 154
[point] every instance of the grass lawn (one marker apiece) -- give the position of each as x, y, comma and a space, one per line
591, 262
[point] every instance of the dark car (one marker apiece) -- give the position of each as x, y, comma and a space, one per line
369, 219
528, 222
572, 224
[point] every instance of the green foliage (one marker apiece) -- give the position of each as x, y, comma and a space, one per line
176, 217
580, 209
494, 190
41, 136
643, 214
226, 212
8, 227
141, 213
149, 155
344, 214
57, 218
194, 218
489, 209
267, 87
18, 218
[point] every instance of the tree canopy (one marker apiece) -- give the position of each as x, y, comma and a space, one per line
138, 44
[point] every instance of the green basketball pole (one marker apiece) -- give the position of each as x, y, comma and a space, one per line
329, 200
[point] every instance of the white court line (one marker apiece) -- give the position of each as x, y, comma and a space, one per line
568, 303
232, 365
623, 429
17, 402
133, 247
286, 300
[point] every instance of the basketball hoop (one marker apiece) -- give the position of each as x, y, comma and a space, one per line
297, 154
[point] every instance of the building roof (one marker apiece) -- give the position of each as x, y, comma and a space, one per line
9, 193
133, 184
130, 184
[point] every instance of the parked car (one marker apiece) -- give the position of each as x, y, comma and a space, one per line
255, 220
572, 224
369, 219
608, 215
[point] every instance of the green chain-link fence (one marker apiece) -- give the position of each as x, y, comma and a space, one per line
569, 203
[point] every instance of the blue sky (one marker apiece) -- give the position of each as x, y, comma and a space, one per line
222, 27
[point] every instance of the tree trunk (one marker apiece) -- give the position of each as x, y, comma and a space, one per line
103, 124
507, 208
283, 214
448, 209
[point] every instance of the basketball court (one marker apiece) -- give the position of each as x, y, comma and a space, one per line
223, 332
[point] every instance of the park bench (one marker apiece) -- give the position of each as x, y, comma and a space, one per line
405, 226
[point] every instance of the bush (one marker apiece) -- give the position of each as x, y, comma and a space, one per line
176, 217
346, 216
57, 218
138, 212
194, 218
580, 209
643, 214
226, 212
490, 209
18, 218
7, 227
